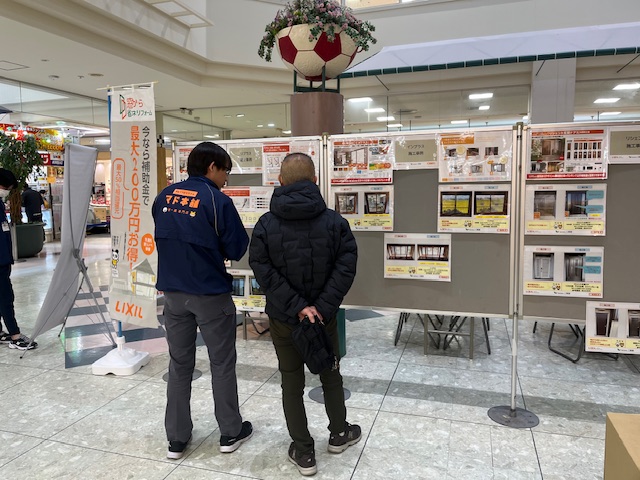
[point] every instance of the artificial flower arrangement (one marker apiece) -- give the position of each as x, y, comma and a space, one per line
323, 16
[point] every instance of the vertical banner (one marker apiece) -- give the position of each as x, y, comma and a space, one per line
134, 264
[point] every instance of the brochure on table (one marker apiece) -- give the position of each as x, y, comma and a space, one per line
247, 295
624, 144
251, 202
563, 271
362, 160
365, 207
474, 208
565, 209
563, 153
418, 256
416, 152
274, 152
475, 156
612, 327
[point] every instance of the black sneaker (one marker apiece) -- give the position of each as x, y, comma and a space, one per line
306, 462
339, 442
23, 343
5, 337
176, 449
230, 444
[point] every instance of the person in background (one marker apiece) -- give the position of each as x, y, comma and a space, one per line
45, 202
304, 257
32, 202
14, 338
197, 227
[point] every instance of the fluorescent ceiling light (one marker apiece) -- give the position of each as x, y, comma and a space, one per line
484, 107
627, 86
102, 141
374, 110
286, 132
606, 100
609, 113
260, 126
458, 122
271, 125
525, 118
395, 125
239, 115
360, 99
386, 119
479, 96
212, 136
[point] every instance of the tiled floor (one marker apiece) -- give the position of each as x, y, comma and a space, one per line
423, 417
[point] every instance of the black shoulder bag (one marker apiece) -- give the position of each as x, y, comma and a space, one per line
314, 345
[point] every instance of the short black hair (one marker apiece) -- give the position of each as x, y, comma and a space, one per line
8, 179
203, 155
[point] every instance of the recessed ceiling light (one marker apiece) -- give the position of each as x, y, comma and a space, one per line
374, 110
484, 107
360, 99
271, 124
480, 96
395, 125
102, 141
458, 122
174, 130
606, 100
525, 118
260, 126
386, 119
227, 116
286, 132
212, 136
627, 86
609, 113
239, 115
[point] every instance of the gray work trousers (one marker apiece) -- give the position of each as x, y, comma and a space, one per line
216, 317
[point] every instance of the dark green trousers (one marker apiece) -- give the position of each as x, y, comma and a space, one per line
291, 368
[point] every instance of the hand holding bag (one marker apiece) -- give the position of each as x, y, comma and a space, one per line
312, 341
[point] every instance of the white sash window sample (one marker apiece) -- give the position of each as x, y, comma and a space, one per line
474, 208
563, 271
612, 327
418, 256
565, 209
365, 207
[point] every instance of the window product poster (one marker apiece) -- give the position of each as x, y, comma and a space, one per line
365, 207
558, 154
565, 209
181, 155
475, 156
251, 202
362, 160
246, 293
563, 271
624, 145
134, 262
612, 327
474, 208
245, 157
412, 153
418, 256
274, 153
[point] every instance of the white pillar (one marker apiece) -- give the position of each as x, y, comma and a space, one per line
553, 89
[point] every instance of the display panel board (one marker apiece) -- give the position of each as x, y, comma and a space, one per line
613, 327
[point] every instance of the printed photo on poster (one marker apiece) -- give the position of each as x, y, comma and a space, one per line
560, 154
565, 209
274, 153
612, 327
251, 202
475, 156
418, 256
246, 292
365, 207
624, 145
474, 208
563, 271
415, 152
362, 160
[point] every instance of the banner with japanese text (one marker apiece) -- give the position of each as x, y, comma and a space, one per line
134, 264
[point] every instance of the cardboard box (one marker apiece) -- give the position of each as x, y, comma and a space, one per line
622, 447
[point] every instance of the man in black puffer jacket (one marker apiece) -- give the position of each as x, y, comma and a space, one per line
304, 257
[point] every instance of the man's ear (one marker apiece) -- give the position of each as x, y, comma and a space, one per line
315, 179
280, 179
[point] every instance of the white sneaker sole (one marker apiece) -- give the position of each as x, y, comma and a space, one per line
305, 471
235, 446
175, 455
342, 448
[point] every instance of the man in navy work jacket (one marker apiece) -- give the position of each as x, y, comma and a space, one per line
196, 228
304, 258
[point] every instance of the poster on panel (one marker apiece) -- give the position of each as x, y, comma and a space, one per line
415, 152
365, 207
134, 265
624, 144
561, 153
245, 157
362, 160
612, 327
418, 256
475, 156
563, 271
251, 202
246, 292
474, 208
565, 209
274, 152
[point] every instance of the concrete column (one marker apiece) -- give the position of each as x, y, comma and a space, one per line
315, 113
553, 89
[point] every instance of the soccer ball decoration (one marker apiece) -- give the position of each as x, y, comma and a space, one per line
307, 57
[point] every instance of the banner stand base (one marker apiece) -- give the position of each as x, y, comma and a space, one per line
120, 361
515, 418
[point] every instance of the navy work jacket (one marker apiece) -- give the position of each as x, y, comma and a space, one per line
6, 254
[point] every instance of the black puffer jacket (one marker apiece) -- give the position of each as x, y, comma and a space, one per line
302, 254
